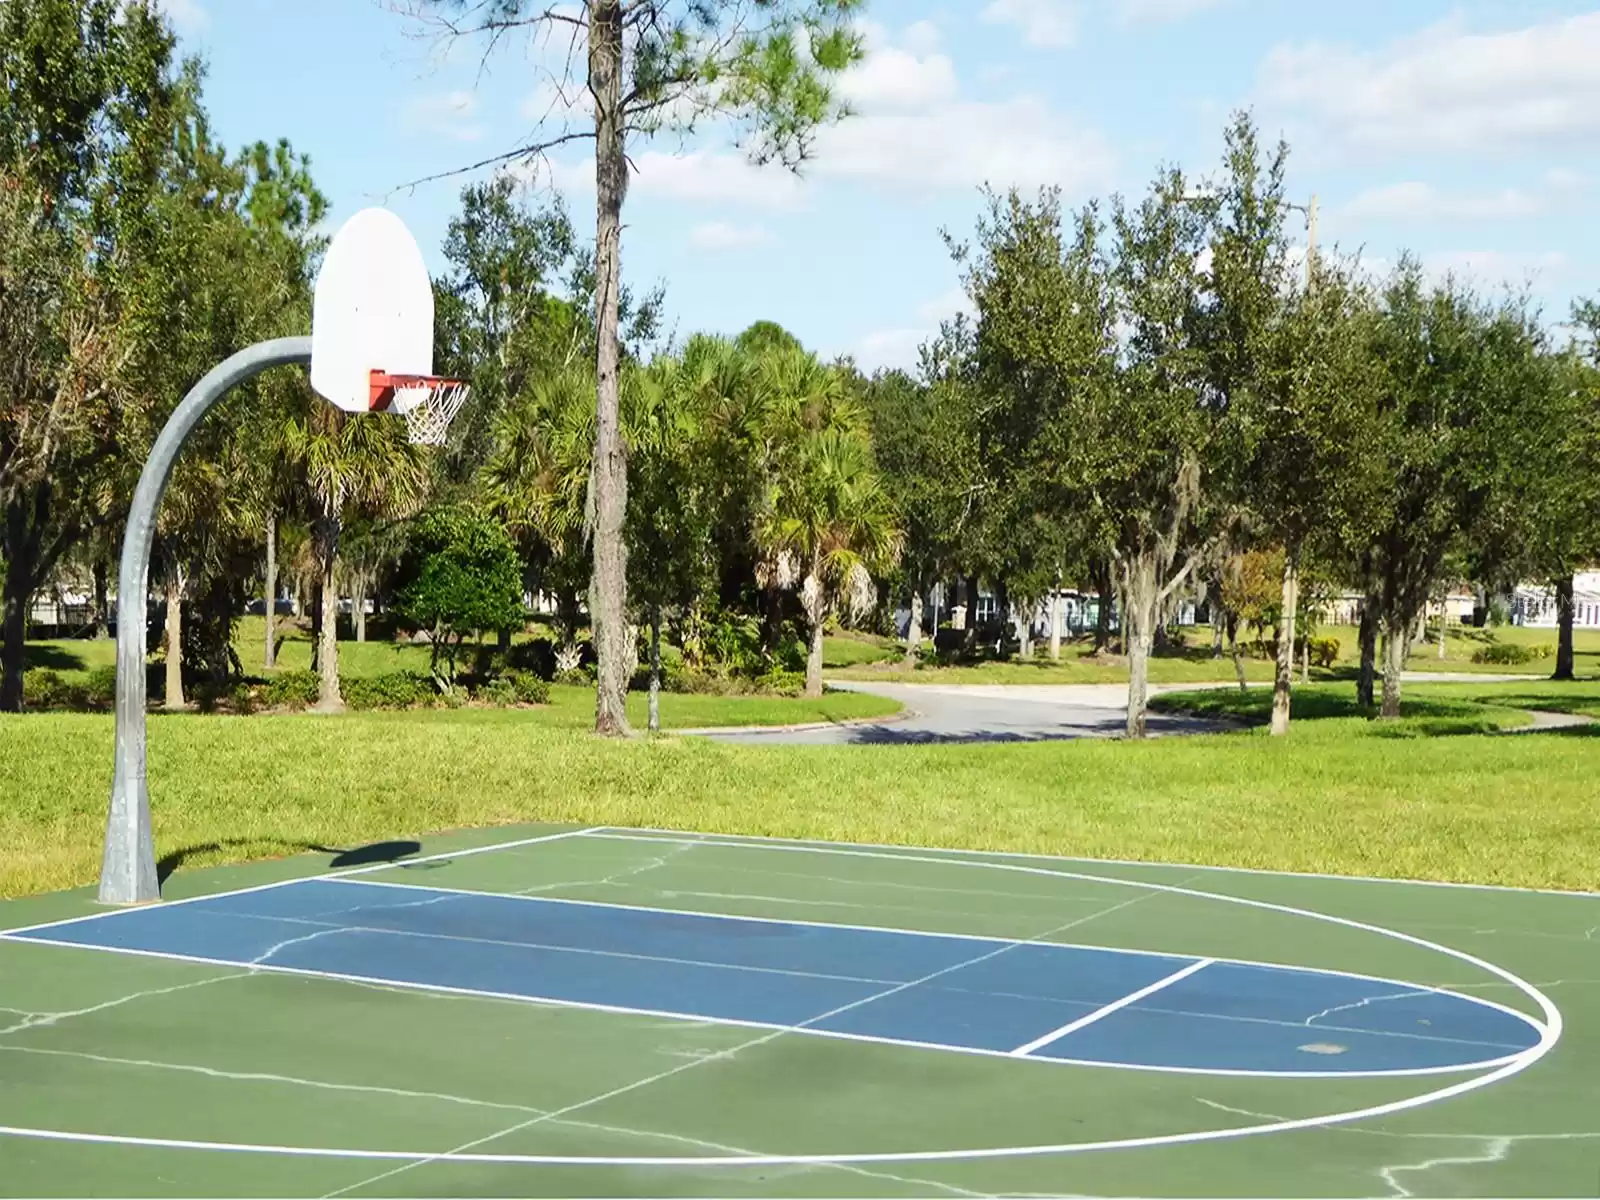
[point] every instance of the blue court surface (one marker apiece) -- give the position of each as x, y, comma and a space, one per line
961, 994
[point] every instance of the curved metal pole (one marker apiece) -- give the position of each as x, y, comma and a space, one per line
128, 869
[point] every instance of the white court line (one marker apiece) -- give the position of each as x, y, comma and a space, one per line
742, 1023
757, 840
1055, 1035
1550, 1035
281, 883
921, 933
600, 834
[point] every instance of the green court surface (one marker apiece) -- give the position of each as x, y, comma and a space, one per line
614, 1012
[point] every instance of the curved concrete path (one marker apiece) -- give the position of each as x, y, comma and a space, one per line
953, 713
956, 713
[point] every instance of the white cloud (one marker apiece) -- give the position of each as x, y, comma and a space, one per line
1495, 268
941, 308
961, 144
892, 78
1446, 88
912, 131
889, 348
1149, 12
187, 16
446, 113
700, 177
551, 101
720, 235
1415, 201
1046, 23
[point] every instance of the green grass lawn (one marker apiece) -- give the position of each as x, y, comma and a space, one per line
855, 649
1426, 710
1341, 794
1077, 665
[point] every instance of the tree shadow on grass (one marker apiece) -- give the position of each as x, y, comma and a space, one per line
360, 856
52, 658
1420, 717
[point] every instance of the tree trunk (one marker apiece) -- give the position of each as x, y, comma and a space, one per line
173, 699
1369, 652
358, 607
1055, 621
18, 589
814, 657
270, 659
1443, 624
1396, 643
1103, 602
102, 606
655, 668
1138, 636
972, 611
1305, 656
914, 627
610, 589
328, 697
1564, 616
1283, 678
316, 625
1237, 653
1218, 620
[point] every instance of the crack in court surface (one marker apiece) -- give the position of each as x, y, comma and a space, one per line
466, 1101
41, 1020
1497, 1147
751, 1044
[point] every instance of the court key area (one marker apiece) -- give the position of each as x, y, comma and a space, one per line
615, 1012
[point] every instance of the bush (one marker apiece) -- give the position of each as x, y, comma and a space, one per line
43, 689
291, 689
528, 687
396, 689
100, 688
1324, 651
781, 683
498, 692
1508, 654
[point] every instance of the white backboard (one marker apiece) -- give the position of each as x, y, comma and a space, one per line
373, 309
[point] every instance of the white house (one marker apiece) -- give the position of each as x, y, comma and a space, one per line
1536, 606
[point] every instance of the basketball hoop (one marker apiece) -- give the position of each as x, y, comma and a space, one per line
427, 402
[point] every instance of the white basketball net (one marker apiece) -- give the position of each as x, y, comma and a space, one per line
429, 408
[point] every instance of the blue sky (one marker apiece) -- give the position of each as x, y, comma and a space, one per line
1465, 132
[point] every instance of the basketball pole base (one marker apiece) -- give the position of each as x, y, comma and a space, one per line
128, 868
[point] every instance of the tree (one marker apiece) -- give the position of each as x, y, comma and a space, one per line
460, 576
349, 465
1461, 382
86, 126
923, 442
828, 525
653, 66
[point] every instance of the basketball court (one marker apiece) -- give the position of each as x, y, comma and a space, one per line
620, 1012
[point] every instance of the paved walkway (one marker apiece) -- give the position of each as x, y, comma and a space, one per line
964, 713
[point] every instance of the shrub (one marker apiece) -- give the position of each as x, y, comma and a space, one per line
43, 688
1324, 651
500, 692
1509, 654
291, 689
528, 687
100, 688
781, 683
395, 689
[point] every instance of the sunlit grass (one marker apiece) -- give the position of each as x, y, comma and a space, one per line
1341, 794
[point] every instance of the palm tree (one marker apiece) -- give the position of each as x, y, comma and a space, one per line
828, 523
537, 480
351, 465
